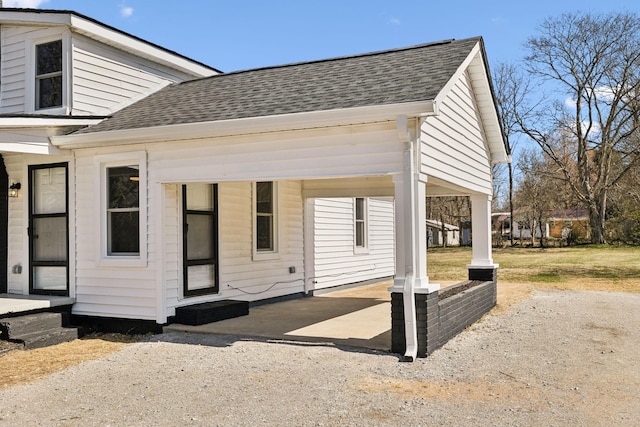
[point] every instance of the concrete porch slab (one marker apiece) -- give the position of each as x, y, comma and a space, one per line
12, 303
355, 317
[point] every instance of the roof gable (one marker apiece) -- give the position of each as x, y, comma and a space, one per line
412, 74
106, 34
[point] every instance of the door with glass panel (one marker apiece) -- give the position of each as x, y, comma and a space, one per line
48, 230
200, 238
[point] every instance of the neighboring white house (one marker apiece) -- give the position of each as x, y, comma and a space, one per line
217, 188
439, 233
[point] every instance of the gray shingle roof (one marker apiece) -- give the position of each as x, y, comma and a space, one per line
415, 73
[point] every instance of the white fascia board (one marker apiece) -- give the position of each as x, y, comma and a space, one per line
138, 47
247, 126
14, 17
38, 122
30, 147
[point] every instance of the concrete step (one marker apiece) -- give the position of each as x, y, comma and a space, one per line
208, 312
31, 323
47, 337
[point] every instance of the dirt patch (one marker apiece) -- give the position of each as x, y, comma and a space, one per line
23, 366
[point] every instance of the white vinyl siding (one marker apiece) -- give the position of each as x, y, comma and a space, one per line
336, 262
15, 46
241, 277
17, 236
234, 164
105, 79
453, 142
18, 251
122, 288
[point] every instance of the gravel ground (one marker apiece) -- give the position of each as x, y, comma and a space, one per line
560, 358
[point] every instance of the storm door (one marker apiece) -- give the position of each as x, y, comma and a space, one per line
48, 230
200, 238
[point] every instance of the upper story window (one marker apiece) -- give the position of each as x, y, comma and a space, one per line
48, 75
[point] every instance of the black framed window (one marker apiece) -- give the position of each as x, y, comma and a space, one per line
49, 75
265, 216
123, 211
360, 223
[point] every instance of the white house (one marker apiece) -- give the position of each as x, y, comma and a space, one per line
439, 233
216, 188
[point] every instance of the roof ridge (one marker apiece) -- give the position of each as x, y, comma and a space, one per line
332, 59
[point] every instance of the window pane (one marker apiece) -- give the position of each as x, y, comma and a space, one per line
50, 278
123, 187
50, 190
264, 233
199, 197
49, 57
201, 277
199, 236
50, 239
360, 234
264, 197
124, 232
360, 208
50, 92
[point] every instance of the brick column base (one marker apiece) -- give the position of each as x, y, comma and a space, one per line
427, 323
483, 274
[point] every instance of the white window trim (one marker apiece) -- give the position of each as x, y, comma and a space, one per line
104, 162
265, 255
365, 248
30, 63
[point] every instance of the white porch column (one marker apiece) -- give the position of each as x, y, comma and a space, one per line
411, 242
481, 232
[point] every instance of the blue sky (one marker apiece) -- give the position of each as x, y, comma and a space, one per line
235, 35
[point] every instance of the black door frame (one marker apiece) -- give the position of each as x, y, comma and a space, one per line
33, 235
4, 226
215, 260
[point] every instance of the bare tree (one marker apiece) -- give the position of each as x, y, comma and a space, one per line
594, 136
511, 89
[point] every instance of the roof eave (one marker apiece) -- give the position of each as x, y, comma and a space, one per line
247, 126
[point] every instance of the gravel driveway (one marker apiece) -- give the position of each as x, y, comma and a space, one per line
560, 358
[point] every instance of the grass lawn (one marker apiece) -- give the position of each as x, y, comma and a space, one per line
602, 268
